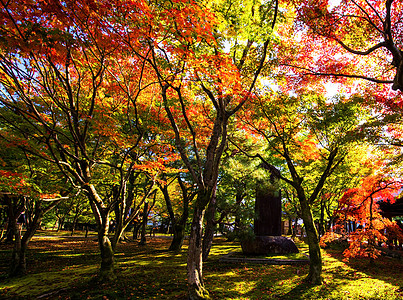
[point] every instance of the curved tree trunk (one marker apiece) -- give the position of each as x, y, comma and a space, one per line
136, 227
106, 271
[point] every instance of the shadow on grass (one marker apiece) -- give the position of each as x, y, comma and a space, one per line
383, 267
152, 272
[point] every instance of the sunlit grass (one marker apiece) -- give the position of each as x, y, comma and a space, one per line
150, 272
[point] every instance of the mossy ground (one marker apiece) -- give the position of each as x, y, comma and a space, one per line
65, 268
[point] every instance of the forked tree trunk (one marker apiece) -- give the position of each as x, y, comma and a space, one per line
18, 261
178, 237
106, 271
196, 287
178, 224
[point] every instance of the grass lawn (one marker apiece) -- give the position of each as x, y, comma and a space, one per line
64, 268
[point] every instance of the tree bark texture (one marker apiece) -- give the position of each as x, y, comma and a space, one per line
101, 213
106, 272
196, 287
210, 227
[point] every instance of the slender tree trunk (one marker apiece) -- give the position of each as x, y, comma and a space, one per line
290, 231
9, 233
195, 260
178, 224
143, 225
73, 226
2, 233
75, 219
60, 224
322, 218
120, 209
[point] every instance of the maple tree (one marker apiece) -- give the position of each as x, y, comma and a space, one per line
361, 205
312, 137
201, 89
27, 196
71, 101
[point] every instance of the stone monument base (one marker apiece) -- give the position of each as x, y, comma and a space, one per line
261, 245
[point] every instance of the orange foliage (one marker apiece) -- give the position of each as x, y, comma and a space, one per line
360, 205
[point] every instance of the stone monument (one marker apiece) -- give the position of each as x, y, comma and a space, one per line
267, 224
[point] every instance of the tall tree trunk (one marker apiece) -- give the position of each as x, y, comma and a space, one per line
195, 260
101, 213
9, 233
210, 226
73, 225
315, 266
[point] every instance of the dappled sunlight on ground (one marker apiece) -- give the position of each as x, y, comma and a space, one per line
66, 267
